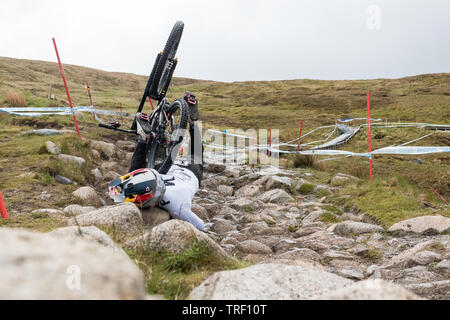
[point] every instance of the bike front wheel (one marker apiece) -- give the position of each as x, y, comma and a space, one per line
165, 63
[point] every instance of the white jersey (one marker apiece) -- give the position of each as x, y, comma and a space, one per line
181, 186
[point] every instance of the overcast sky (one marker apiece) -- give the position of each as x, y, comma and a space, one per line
233, 40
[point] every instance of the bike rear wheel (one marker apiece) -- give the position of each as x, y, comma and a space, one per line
162, 153
165, 64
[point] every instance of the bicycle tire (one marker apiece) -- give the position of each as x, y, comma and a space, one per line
182, 124
168, 54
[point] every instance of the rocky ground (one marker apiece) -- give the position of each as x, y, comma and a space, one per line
299, 245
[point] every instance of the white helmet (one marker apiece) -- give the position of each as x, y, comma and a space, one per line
144, 187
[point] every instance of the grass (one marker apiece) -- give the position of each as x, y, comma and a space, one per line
175, 275
306, 161
388, 204
15, 99
41, 222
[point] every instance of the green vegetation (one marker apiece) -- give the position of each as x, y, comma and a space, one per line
372, 255
41, 222
387, 203
306, 188
328, 217
333, 209
306, 161
175, 275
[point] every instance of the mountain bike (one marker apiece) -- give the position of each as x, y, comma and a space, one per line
163, 129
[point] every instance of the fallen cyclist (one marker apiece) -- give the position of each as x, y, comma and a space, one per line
173, 190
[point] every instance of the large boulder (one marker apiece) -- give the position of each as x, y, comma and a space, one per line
126, 217
225, 191
370, 290
107, 148
76, 209
423, 258
155, 216
277, 182
268, 282
200, 211
342, 178
253, 246
176, 236
52, 148
91, 234
77, 161
248, 191
44, 266
244, 205
423, 225
406, 256
214, 168
276, 196
347, 228
88, 195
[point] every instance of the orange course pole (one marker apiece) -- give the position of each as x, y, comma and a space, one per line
300, 135
3, 211
90, 97
67, 89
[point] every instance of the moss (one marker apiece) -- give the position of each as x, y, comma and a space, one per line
306, 188
372, 255
333, 209
248, 209
328, 217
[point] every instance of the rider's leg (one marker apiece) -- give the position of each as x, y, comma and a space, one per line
139, 155
195, 141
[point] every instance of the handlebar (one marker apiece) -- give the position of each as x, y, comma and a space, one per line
102, 125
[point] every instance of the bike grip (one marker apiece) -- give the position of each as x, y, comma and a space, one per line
105, 126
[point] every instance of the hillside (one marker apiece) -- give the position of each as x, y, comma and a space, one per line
310, 218
422, 98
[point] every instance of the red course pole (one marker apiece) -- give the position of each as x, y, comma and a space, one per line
3, 211
300, 135
67, 89
370, 139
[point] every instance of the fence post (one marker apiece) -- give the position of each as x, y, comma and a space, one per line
370, 139
300, 136
270, 140
90, 97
